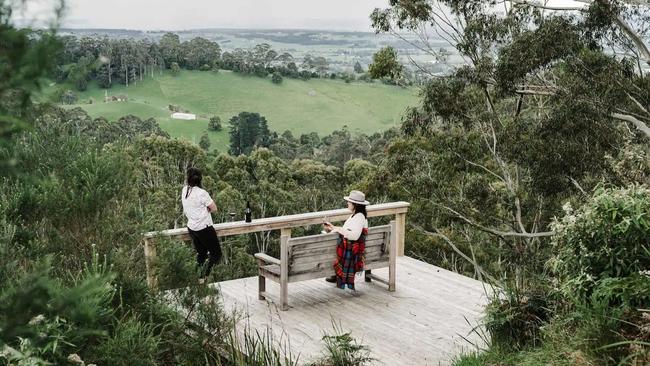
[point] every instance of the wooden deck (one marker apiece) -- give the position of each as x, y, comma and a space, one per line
422, 323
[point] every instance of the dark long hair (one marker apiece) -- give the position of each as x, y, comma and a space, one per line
360, 209
194, 178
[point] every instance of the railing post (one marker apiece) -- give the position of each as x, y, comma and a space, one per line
392, 256
149, 259
284, 272
261, 281
400, 223
285, 232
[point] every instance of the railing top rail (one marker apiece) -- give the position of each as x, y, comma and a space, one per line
288, 221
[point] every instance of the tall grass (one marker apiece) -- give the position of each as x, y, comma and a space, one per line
258, 349
341, 349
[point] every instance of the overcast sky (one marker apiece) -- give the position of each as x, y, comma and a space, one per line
189, 14
193, 14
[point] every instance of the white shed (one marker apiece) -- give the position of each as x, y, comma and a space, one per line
185, 116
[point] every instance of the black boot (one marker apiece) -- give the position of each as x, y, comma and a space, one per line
367, 276
330, 279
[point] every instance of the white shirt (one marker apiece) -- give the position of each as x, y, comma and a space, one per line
353, 226
195, 208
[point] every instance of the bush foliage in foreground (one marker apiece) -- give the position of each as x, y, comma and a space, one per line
596, 306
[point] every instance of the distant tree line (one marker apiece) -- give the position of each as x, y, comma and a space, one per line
128, 61
249, 131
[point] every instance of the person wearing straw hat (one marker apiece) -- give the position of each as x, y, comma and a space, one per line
351, 246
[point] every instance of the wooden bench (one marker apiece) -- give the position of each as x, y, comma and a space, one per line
310, 257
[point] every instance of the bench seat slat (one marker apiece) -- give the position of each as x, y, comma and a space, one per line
305, 249
308, 275
318, 265
312, 239
329, 255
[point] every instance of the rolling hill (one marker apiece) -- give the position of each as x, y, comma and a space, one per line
317, 105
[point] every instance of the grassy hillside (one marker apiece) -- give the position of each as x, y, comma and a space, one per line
299, 106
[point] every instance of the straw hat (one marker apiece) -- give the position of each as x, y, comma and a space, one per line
357, 197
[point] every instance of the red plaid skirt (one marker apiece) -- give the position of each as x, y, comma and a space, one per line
349, 259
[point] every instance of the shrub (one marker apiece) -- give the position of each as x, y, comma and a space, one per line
343, 350
215, 124
42, 317
276, 78
348, 77
256, 349
175, 69
204, 142
68, 97
602, 256
304, 74
132, 343
175, 264
604, 247
514, 319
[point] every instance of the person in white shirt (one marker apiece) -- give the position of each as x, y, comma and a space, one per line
197, 207
351, 247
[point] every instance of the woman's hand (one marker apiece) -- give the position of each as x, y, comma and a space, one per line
334, 229
331, 228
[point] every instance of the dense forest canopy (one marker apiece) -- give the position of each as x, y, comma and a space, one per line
552, 105
128, 60
527, 168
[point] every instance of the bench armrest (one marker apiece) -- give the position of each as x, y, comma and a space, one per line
267, 258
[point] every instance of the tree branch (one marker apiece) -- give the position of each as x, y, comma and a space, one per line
538, 5
577, 185
640, 125
482, 167
635, 38
625, 27
499, 233
453, 246
520, 102
533, 92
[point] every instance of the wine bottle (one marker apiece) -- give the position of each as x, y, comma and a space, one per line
248, 212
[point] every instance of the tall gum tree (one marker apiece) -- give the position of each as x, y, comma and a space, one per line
548, 92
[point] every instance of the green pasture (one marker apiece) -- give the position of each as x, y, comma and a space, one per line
299, 106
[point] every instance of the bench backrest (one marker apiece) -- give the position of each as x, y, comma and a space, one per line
313, 256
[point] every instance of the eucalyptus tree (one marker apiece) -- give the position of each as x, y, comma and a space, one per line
156, 59
26, 57
358, 68
247, 131
385, 65
170, 47
547, 98
200, 51
106, 58
515, 50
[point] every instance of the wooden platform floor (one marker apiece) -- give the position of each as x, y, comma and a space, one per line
422, 323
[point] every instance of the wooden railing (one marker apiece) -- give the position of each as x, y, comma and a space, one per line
282, 223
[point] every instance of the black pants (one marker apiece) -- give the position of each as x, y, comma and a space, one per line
206, 241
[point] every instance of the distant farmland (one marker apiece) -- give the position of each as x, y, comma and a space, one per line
320, 106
